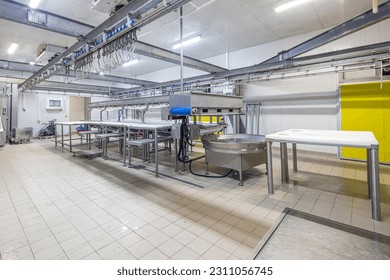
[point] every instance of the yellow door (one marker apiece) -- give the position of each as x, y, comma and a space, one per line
365, 107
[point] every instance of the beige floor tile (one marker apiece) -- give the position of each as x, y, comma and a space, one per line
158, 238
16, 254
53, 206
199, 245
49, 253
185, 254
216, 253
80, 252
140, 249
73, 242
110, 250
101, 241
185, 237
172, 230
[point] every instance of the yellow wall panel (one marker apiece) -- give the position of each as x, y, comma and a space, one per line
386, 121
363, 107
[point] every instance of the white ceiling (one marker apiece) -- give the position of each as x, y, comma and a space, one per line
225, 26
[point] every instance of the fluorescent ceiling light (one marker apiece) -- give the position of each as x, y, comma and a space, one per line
34, 3
12, 48
131, 62
187, 42
32, 63
101, 73
290, 5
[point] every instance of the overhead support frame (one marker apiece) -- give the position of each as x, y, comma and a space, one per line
26, 67
58, 64
19, 13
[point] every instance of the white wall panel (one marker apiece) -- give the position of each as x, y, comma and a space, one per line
32, 111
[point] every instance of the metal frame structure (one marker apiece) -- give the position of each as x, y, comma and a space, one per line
283, 63
26, 67
20, 13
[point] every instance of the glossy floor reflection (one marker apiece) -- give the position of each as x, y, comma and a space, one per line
56, 206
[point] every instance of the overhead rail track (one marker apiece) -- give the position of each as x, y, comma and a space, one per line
119, 28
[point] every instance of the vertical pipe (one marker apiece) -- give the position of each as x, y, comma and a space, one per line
269, 168
181, 51
375, 185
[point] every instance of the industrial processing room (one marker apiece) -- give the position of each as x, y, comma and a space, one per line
211, 130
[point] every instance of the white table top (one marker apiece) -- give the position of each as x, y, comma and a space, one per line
133, 125
341, 138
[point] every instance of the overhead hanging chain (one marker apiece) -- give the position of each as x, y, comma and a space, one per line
110, 56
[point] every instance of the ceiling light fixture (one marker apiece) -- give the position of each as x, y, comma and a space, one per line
187, 42
32, 63
12, 48
290, 5
131, 62
101, 73
34, 3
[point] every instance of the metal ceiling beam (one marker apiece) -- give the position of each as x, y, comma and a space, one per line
172, 57
58, 86
26, 67
357, 23
135, 6
20, 13
76, 87
352, 53
131, 101
66, 90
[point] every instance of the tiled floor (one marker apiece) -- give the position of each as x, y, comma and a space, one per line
55, 206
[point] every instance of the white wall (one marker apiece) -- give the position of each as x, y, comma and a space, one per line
310, 102
32, 111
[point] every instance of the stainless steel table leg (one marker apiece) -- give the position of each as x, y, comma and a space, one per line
284, 162
176, 161
375, 185
156, 152
240, 172
124, 145
55, 135
129, 156
269, 168
70, 138
369, 173
62, 135
294, 152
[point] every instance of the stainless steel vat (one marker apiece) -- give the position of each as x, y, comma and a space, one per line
235, 151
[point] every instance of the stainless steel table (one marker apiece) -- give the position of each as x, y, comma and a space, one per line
356, 139
155, 127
